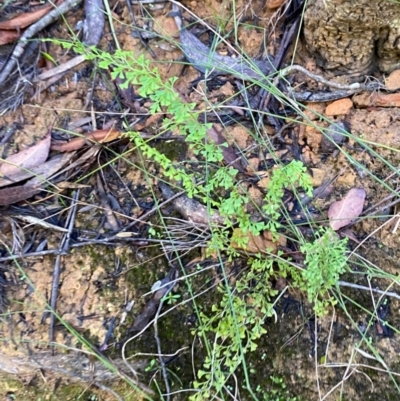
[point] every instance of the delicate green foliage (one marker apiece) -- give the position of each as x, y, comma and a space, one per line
278, 392
171, 298
169, 170
237, 321
236, 324
325, 261
291, 176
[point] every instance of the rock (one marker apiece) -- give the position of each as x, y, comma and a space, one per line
393, 81
339, 107
377, 100
353, 36
317, 176
334, 135
314, 111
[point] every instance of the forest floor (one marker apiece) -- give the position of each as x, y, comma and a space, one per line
120, 242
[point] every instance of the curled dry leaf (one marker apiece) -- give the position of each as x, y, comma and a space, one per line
12, 29
34, 221
342, 213
26, 159
41, 174
101, 136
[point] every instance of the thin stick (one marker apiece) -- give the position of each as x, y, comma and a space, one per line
57, 268
362, 287
160, 355
355, 86
60, 68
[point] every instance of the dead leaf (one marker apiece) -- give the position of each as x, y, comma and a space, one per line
228, 152
342, 213
100, 136
9, 36
12, 195
71, 185
255, 243
349, 234
32, 220
25, 19
43, 171
27, 158
85, 159
153, 119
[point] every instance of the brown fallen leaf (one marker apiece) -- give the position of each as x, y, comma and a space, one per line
228, 152
26, 159
85, 159
42, 171
153, 119
9, 36
25, 19
71, 185
347, 232
100, 136
255, 243
342, 213
12, 195
52, 166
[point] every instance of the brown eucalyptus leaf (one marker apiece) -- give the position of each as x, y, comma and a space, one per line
25, 19
26, 159
100, 136
342, 213
43, 171
9, 36
11, 195
51, 167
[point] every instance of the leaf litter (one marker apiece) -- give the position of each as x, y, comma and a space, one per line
346, 211
26, 159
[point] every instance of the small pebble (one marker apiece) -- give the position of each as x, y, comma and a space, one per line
336, 133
